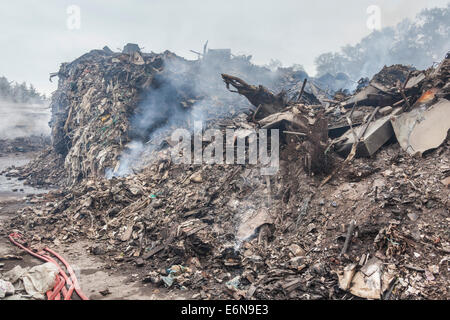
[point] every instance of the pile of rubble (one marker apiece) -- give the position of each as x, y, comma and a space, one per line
374, 225
103, 98
91, 109
23, 144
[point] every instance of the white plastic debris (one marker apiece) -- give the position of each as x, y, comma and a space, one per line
36, 280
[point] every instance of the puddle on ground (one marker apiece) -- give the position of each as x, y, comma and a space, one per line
12, 188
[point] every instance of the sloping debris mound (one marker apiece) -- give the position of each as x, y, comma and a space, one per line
91, 111
106, 100
47, 169
376, 228
410, 105
282, 237
388, 76
393, 84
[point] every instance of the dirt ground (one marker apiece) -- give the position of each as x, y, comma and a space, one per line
98, 279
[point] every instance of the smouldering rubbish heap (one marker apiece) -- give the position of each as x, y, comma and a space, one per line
225, 231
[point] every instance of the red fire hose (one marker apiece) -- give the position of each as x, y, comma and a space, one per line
61, 279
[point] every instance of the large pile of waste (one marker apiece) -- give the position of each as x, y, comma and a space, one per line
358, 207
106, 100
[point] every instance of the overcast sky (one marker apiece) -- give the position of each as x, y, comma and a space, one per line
35, 37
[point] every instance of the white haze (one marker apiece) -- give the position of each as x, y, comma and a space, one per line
23, 120
35, 39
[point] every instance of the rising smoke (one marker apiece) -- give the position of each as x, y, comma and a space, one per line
183, 93
23, 120
23, 111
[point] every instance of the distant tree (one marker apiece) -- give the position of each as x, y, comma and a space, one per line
5, 88
330, 63
274, 64
419, 43
12, 91
298, 67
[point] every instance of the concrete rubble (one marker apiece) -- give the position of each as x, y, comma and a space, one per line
224, 230
423, 129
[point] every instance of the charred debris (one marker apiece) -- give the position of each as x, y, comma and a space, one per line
358, 208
